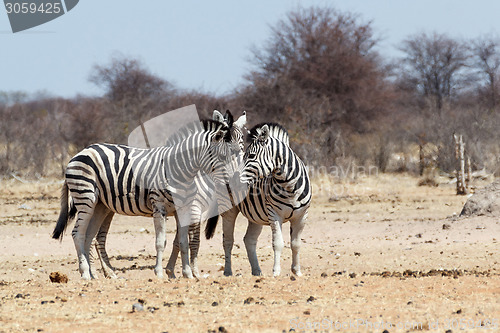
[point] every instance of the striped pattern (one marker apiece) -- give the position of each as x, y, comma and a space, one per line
220, 203
279, 191
105, 179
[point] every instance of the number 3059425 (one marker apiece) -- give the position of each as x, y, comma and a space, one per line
32, 8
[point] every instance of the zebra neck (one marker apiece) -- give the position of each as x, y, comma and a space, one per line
181, 163
289, 170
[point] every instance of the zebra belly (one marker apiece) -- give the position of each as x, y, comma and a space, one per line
127, 204
263, 211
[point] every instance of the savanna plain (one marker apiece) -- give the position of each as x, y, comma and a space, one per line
379, 254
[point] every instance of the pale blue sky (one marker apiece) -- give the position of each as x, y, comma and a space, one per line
199, 44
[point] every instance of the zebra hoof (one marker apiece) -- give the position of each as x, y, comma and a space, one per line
228, 273
111, 275
170, 273
187, 273
159, 273
257, 273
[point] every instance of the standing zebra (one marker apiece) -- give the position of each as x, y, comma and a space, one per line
105, 179
279, 191
220, 202
210, 203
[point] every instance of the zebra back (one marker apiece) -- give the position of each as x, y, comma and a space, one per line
275, 131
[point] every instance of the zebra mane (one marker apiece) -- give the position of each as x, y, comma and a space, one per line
276, 131
195, 127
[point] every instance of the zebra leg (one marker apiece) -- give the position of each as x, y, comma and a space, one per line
296, 227
92, 255
100, 246
228, 222
160, 219
277, 245
185, 218
184, 246
79, 238
194, 246
100, 212
250, 239
173, 256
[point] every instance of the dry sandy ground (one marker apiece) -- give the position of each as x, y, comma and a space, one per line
379, 254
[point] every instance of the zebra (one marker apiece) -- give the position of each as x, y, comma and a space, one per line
105, 179
222, 204
205, 190
279, 191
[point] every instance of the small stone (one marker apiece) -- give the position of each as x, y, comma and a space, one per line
249, 300
137, 307
352, 275
25, 206
324, 274
311, 299
215, 304
152, 309
56, 277
307, 312
222, 329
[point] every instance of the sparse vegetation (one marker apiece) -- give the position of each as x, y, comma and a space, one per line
320, 74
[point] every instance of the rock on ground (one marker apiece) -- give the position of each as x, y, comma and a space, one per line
485, 201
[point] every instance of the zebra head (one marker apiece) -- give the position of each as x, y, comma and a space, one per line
260, 158
236, 128
237, 140
226, 140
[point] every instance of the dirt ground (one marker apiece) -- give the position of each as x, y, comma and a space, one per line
378, 254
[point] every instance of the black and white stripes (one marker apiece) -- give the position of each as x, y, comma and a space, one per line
279, 191
105, 179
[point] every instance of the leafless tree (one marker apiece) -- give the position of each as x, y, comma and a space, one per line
132, 92
486, 59
433, 66
319, 75
328, 54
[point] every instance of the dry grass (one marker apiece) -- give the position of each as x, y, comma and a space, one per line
375, 249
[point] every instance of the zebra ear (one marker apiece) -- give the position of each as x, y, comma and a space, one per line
228, 117
263, 133
242, 120
218, 117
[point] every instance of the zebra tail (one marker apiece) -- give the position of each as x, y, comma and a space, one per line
65, 215
211, 226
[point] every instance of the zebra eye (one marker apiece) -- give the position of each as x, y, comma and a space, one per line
218, 137
251, 155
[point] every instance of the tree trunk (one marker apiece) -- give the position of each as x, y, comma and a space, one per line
462, 187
